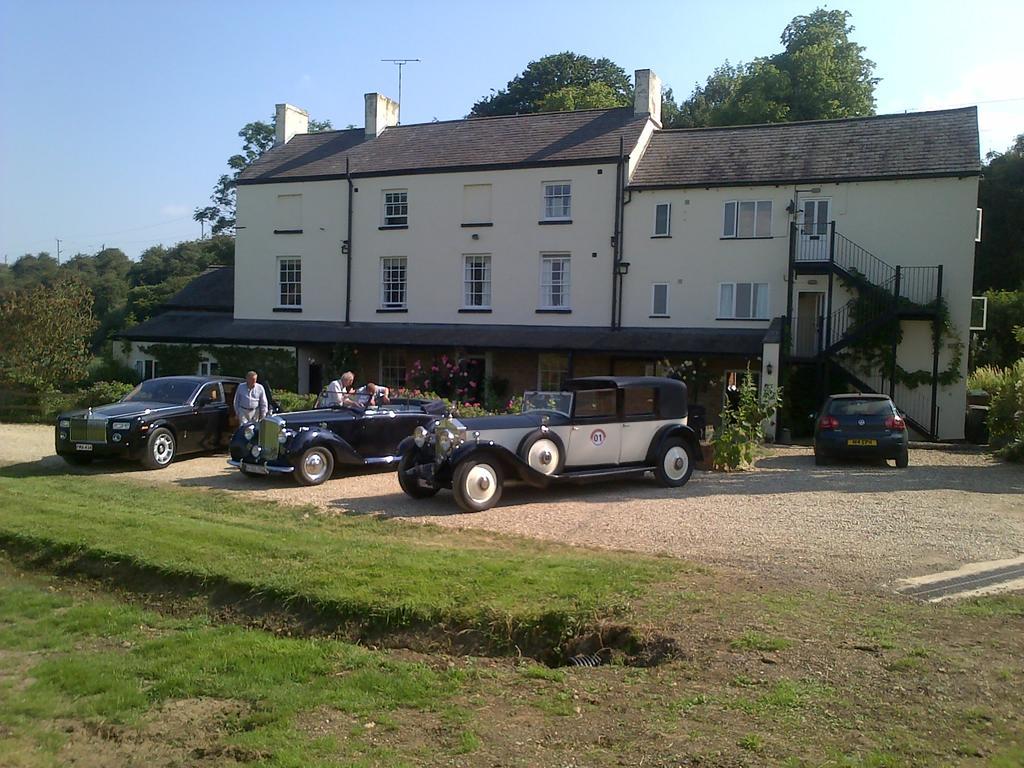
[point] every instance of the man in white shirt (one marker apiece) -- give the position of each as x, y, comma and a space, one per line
340, 388
250, 400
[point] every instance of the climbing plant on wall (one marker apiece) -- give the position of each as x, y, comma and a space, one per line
872, 305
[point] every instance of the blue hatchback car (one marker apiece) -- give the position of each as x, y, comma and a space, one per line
860, 426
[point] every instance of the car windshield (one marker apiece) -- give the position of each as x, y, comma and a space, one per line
356, 400
560, 402
176, 391
876, 408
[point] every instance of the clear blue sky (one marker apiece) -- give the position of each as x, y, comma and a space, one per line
118, 117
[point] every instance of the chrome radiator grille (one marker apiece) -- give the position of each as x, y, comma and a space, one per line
270, 428
89, 430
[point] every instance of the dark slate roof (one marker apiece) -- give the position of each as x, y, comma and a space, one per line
551, 138
916, 144
212, 291
222, 328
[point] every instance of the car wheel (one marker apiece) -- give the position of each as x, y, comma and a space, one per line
477, 485
675, 464
903, 460
160, 449
315, 465
543, 453
413, 486
76, 459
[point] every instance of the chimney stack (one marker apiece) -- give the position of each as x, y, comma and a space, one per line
647, 95
381, 113
288, 121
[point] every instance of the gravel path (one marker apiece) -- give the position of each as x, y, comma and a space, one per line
852, 525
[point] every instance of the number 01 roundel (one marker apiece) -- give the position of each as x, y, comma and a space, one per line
597, 437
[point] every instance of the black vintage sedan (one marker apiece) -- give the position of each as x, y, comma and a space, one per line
309, 444
158, 420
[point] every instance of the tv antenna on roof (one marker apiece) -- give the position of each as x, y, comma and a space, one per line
401, 63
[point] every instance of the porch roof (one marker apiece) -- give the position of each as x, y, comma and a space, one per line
179, 326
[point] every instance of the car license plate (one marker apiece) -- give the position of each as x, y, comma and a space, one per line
257, 469
83, 447
862, 442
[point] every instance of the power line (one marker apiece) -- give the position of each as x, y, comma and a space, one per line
80, 238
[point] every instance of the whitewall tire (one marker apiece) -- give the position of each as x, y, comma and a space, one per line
477, 484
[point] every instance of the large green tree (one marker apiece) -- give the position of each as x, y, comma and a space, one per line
560, 81
820, 73
257, 137
1000, 260
44, 334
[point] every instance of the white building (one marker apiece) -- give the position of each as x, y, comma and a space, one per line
546, 245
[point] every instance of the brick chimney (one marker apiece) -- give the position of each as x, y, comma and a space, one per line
381, 113
288, 121
647, 95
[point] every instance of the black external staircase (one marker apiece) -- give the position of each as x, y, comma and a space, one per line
886, 295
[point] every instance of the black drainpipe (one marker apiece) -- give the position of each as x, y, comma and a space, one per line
626, 200
616, 237
348, 251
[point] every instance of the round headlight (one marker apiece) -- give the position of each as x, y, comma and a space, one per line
445, 441
117, 437
64, 423
255, 452
250, 432
282, 438
63, 435
419, 436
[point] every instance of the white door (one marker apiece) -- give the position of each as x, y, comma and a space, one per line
810, 310
596, 433
815, 216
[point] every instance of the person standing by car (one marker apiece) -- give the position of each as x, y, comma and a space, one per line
250, 400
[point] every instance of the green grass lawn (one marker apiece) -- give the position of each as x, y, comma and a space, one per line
377, 574
763, 675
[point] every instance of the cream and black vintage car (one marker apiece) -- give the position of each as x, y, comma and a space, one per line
598, 428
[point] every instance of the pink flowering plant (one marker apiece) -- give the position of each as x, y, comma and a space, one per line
446, 377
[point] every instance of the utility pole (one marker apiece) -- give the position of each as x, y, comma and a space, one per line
58, 249
401, 63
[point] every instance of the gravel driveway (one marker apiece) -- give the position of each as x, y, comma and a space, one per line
849, 525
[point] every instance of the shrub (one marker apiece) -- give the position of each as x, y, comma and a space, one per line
292, 401
447, 377
1006, 411
100, 393
741, 430
106, 368
987, 378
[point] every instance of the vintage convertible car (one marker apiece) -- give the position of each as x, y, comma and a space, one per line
598, 428
310, 444
158, 420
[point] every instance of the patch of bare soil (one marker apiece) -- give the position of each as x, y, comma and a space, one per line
186, 732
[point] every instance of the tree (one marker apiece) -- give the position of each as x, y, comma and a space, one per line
573, 97
820, 74
257, 137
44, 334
1000, 261
551, 74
